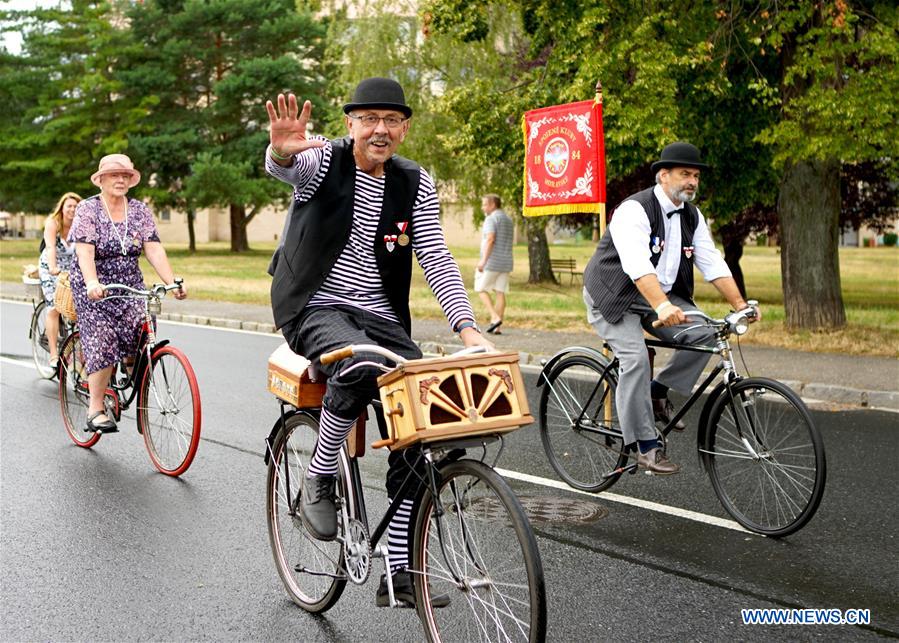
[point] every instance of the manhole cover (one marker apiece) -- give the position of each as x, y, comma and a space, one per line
543, 509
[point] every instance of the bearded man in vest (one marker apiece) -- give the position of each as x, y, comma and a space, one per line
642, 271
342, 275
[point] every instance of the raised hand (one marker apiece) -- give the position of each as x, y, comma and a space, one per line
287, 123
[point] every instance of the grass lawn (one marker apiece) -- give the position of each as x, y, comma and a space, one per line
870, 279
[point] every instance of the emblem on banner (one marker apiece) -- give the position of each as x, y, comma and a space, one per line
555, 157
688, 251
390, 242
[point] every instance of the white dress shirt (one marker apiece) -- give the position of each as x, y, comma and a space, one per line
631, 235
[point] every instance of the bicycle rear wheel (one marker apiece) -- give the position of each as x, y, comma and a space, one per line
74, 396
579, 423
310, 569
480, 551
765, 457
40, 348
169, 413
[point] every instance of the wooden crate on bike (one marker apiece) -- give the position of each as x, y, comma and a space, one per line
427, 400
288, 379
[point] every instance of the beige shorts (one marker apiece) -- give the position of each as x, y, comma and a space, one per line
491, 280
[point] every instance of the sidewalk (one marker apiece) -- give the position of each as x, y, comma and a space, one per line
828, 377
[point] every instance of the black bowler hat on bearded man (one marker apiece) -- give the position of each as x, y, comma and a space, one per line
679, 154
379, 93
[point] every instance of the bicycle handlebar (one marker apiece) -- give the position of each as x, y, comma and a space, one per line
353, 349
156, 290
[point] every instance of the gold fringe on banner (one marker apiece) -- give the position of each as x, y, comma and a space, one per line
563, 208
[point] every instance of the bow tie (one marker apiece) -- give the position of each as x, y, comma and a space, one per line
678, 211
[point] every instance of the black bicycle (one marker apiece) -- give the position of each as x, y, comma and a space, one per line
471, 537
756, 438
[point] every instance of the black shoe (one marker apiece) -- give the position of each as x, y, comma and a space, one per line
493, 328
663, 411
317, 509
109, 426
404, 592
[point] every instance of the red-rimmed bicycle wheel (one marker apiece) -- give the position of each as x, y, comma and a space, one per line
73, 392
168, 412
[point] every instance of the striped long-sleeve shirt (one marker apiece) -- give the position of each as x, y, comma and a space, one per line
355, 280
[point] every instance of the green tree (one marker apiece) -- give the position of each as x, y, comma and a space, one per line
778, 94
210, 75
63, 106
467, 114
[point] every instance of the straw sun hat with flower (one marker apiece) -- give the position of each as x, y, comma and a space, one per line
116, 164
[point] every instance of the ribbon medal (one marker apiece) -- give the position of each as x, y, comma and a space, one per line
688, 251
403, 238
656, 245
390, 241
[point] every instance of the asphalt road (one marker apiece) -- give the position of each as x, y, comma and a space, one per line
97, 546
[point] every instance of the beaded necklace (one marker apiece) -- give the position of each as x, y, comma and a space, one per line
123, 239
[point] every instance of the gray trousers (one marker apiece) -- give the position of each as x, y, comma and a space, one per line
632, 398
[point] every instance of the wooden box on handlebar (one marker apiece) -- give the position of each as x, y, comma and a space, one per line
429, 400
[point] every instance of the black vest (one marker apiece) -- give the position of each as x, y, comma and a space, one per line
610, 287
317, 232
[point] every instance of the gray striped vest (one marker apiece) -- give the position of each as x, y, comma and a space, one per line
610, 287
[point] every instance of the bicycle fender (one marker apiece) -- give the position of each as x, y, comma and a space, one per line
270, 440
704, 416
586, 351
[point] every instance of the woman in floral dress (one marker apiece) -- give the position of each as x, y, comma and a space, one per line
110, 232
55, 258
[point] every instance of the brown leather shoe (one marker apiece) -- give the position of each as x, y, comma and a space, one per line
663, 411
656, 462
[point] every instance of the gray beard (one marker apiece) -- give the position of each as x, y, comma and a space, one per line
680, 195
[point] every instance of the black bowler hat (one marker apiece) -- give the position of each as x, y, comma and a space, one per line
379, 93
679, 155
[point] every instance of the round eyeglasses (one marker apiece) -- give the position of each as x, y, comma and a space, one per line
370, 120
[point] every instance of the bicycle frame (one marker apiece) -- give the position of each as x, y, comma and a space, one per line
726, 365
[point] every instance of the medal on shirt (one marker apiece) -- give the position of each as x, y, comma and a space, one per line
390, 241
403, 238
657, 244
688, 251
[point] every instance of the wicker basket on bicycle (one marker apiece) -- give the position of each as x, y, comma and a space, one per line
63, 300
32, 282
429, 400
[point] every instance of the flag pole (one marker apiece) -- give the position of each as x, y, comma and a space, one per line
599, 219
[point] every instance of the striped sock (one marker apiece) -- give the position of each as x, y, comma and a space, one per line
398, 537
332, 432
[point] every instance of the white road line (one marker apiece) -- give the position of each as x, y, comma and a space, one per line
627, 500
18, 362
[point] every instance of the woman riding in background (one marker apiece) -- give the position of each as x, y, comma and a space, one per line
56, 257
110, 231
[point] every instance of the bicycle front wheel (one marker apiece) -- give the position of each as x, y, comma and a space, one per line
765, 457
579, 423
474, 543
40, 347
310, 569
169, 413
74, 396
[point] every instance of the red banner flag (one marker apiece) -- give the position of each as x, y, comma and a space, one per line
565, 159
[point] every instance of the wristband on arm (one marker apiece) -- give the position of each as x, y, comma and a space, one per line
662, 307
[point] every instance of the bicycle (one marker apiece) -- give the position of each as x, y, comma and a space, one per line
470, 536
161, 379
37, 328
756, 440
